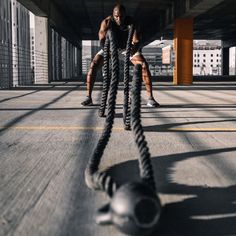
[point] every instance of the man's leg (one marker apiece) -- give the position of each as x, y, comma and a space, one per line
146, 76
95, 65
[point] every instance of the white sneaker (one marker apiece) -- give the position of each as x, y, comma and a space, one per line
152, 103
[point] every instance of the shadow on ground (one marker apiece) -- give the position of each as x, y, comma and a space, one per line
208, 211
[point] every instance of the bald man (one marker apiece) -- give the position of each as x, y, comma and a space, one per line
120, 23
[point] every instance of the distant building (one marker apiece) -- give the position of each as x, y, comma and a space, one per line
207, 57
160, 56
90, 49
85, 65
232, 61
153, 54
95, 47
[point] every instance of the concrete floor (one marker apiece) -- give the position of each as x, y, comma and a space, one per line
46, 138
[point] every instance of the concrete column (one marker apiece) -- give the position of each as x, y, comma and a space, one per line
71, 61
41, 47
183, 46
14, 40
58, 57
63, 57
5, 45
79, 61
232, 61
54, 55
225, 61
51, 54
23, 37
67, 60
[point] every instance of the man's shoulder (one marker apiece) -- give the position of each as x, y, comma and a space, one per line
107, 19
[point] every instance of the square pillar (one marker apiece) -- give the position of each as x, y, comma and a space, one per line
225, 60
183, 47
42, 40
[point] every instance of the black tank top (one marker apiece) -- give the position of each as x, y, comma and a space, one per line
121, 32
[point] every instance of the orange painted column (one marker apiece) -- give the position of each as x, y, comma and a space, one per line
183, 46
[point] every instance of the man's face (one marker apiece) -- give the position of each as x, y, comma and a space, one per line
119, 16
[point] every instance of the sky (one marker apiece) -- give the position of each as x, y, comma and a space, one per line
31, 20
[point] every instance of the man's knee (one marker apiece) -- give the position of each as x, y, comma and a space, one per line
94, 66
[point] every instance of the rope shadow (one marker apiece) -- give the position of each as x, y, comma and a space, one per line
209, 211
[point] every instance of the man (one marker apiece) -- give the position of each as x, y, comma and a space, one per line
120, 23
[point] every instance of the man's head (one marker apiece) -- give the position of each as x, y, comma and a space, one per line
119, 14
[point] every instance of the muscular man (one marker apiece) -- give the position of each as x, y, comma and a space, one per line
120, 23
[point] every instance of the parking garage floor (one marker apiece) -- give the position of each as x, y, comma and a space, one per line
46, 138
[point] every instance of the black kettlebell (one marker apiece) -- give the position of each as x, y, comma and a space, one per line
134, 209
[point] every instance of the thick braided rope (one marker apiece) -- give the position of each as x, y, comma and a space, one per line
145, 165
93, 178
106, 78
126, 107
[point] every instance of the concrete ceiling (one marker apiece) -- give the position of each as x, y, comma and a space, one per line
86, 15
218, 22
213, 19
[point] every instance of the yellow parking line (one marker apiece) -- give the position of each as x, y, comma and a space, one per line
71, 128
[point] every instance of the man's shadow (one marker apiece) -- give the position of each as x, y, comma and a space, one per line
206, 211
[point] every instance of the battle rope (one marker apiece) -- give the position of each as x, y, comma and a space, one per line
141, 207
106, 78
145, 165
94, 178
126, 108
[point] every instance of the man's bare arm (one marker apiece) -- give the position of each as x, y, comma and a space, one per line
135, 42
136, 37
103, 30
